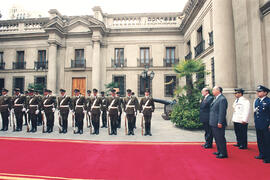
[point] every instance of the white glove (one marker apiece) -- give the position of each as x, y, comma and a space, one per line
42, 112
53, 109
84, 112
23, 109
89, 113
12, 111
37, 111
27, 110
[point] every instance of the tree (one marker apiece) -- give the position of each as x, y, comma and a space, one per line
185, 113
110, 86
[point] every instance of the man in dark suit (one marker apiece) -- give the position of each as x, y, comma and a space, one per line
204, 117
262, 123
218, 122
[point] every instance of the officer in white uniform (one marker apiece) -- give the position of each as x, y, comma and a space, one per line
240, 118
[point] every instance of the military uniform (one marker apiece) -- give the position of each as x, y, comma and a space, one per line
33, 108
24, 112
19, 107
262, 125
79, 107
147, 106
88, 106
130, 105
48, 106
64, 104
95, 112
104, 101
120, 111
39, 116
5, 107
114, 104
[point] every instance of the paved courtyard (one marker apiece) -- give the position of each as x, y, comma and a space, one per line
162, 130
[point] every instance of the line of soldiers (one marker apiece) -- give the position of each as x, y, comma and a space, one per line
35, 108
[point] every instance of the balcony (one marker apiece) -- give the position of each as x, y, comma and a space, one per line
118, 63
199, 48
211, 40
188, 56
2, 65
167, 62
145, 62
78, 63
41, 65
19, 65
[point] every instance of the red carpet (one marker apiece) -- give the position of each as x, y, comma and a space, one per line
22, 158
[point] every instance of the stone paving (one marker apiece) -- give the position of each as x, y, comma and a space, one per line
162, 130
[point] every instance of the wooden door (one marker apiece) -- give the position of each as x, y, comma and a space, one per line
79, 83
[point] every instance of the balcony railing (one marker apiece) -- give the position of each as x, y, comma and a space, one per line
41, 65
188, 56
211, 40
2, 65
199, 48
116, 63
167, 62
145, 62
78, 63
19, 65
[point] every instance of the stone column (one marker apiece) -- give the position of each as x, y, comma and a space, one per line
52, 67
96, 79
224, 44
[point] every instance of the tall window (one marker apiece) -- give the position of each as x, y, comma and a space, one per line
42, 55
143, 84
199, 35
213, 71
1, 57
170, 85
79, 54
2, 85
188, 47
121, 83
18, 82
40, 82
20, 56
118, 56
144, 57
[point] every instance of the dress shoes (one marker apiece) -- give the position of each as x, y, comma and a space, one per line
266, 160
221, 156
259, 157
216, 153
236, 145
203, 145
207, 146
2, 129
242, 147
81, 131
132, 133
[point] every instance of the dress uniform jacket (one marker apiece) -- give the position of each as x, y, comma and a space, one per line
148, 108
33, 104
64, 104
96, 103
19, 103
114, 107
48, 103
241, 108
262, 113
5, 103
79, 104
130, 105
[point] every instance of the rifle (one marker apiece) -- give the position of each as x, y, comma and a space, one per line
108, 119
43, 123
87, 118
126, 124
28, 122
142, 125
60, 126
90, 123
13, 121
73, 123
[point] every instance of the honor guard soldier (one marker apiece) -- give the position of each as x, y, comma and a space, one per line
18, 108
104, 109
48, 107
64, 104
88, 107
131, 105
120, 110
39, 118
79, 109
26, 101
114, 104
240, 118
135, 117
262, 123
33, 108
5, 107
96, 103
147, 106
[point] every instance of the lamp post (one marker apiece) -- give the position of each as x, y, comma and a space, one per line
146, 75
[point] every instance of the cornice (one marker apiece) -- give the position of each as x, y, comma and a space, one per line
265, 9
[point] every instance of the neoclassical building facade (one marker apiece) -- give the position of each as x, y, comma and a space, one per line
138, 51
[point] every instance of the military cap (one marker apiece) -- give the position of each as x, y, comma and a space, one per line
129, 91
47, 90
102, 92
262, 88
4, 90
113, 90
95, 90
76, 90
62, 90
147, 90
26, 92
17, 89
88, 91
31, 90
239, 90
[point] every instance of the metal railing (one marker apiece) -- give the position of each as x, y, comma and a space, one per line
116, 63
19, 65
78, 63
145, 62
188, 56
199, 48
169, 62
41, 65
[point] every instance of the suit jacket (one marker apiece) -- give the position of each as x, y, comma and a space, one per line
150, 106
133, 105
218, 111
262, 113
205, 109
